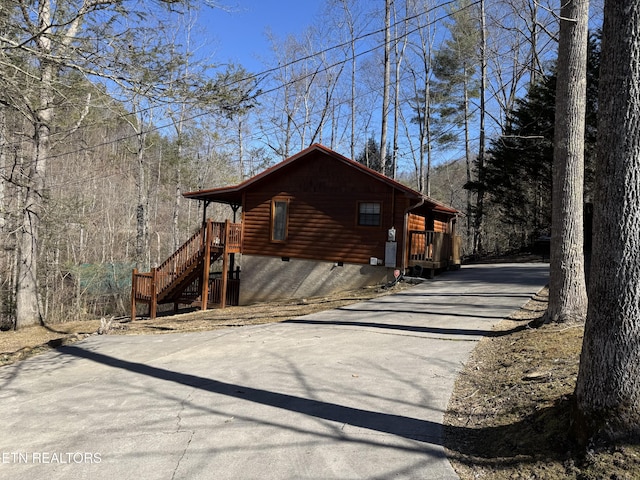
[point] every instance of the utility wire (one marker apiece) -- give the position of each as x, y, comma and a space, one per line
265, 73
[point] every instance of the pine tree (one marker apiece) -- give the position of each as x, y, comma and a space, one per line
456, 66
370, 156
517, 171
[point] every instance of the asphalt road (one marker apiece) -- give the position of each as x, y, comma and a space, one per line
353, 393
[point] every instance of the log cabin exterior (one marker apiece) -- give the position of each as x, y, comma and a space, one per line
313, 224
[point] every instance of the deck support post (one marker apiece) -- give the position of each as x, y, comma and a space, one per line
206, 266
134, 290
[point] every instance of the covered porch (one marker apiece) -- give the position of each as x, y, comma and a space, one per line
431, 240
429, 251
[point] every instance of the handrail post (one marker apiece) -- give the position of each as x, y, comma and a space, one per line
134, 288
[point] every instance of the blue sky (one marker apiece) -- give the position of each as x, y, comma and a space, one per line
239, 35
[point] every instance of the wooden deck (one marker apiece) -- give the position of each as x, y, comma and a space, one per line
179, 279
430, 251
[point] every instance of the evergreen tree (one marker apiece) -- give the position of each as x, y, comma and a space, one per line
456, 68
370, 156
517, 172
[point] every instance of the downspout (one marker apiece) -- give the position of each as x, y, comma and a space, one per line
405, 230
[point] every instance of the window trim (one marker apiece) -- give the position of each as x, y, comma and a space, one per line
272, 227
359, 214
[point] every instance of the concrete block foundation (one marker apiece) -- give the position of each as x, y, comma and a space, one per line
268, 278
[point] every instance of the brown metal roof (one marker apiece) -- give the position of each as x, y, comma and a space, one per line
233, 194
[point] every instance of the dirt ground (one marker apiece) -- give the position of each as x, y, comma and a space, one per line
508, 416
15, 346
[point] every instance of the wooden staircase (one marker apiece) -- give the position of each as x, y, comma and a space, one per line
183, 278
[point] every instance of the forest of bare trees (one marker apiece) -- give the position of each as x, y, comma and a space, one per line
107, 115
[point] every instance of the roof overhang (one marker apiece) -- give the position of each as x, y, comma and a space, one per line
229, 195
232, 195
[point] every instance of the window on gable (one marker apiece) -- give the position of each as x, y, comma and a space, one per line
279, 219
369, 214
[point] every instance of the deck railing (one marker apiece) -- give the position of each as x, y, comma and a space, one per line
234, 238
428, 246
233, 291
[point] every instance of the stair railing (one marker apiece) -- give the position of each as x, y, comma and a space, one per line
212, 236
179, 261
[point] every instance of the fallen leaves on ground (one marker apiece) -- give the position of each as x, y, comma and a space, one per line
18, 345
509, 415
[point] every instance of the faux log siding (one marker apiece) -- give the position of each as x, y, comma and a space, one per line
416, 222
323, 215
440, 226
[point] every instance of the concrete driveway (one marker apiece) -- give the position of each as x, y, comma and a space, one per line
353, 393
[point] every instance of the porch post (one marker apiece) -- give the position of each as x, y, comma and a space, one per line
207, 265
225, 266
205, 204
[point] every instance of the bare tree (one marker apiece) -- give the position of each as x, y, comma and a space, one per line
351, 25
479, 210
421, 101
456, 65
519, 33
608, 386
567, 291
401, 39
386, 87
80, 37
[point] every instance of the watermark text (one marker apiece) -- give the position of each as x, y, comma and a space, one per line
43, 458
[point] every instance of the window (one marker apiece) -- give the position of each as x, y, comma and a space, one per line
369, 214
279, 219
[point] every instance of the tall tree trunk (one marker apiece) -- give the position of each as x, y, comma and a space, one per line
467, 155
143, 252
425, 142
27, 300
352, 50
352, 100
175, 227
241, 168
3, 173
567, 289
424, 122
6, 285
386, 84
399, 55
478, 246
534, 63
608, 386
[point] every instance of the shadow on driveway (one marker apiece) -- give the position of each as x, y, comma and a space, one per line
414, 328
406, 427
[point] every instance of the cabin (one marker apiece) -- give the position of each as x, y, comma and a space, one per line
314, 224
